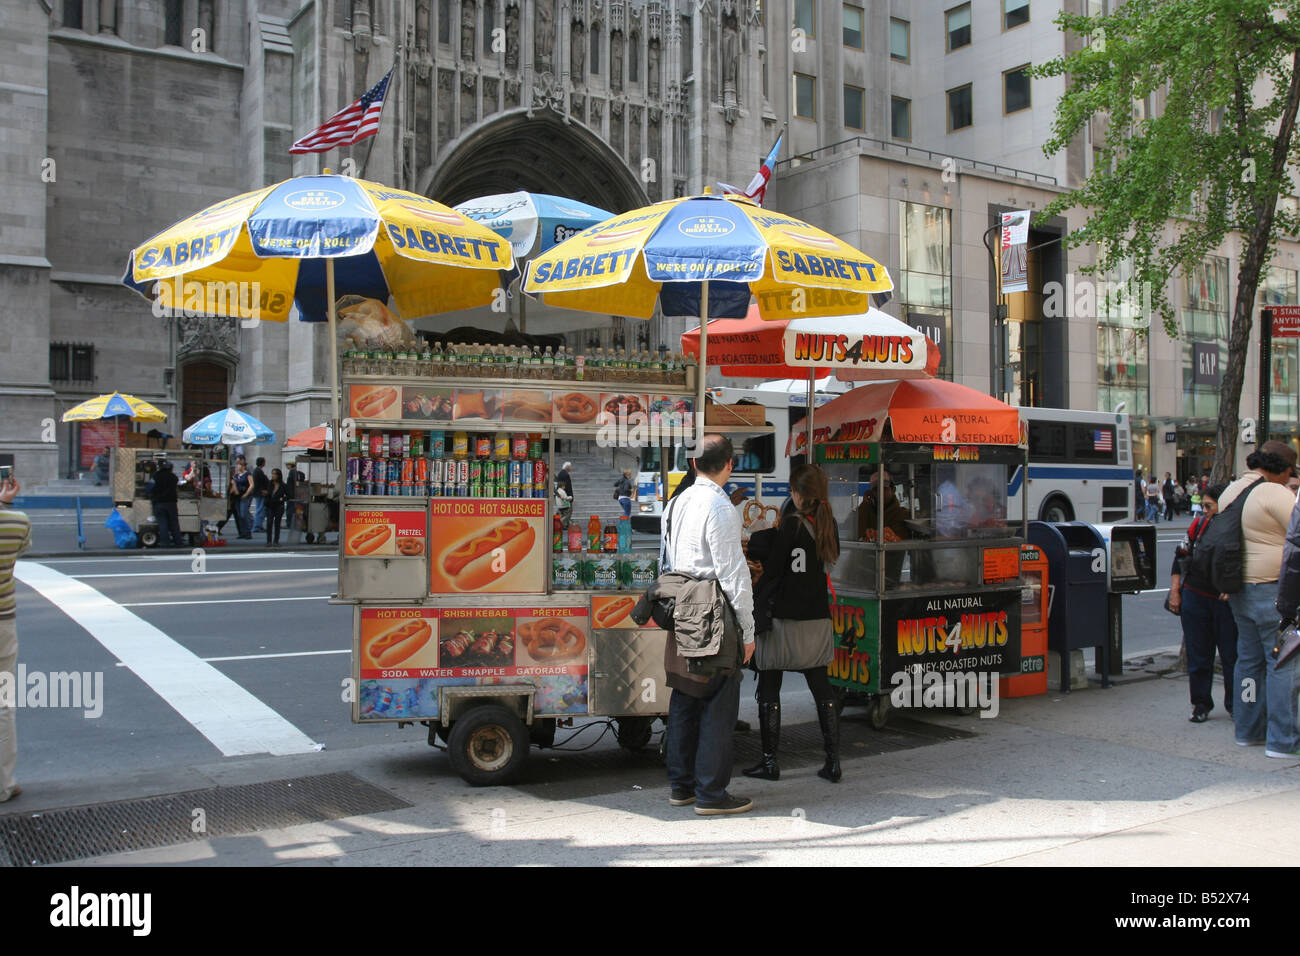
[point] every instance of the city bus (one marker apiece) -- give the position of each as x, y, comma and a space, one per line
1080, 467
760, 460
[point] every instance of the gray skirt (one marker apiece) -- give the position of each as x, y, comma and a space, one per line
795, 645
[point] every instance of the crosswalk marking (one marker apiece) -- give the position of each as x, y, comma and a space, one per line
231, 718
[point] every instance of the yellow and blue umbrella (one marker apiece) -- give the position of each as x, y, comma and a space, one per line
663, 254
110, 406
382, 242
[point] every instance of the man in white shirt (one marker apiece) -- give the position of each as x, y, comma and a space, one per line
703, 539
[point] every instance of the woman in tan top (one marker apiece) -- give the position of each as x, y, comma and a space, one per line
1265, 711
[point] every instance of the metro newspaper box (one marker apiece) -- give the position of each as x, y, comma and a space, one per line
1130, 569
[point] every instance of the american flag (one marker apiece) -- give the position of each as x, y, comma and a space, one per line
1103, 441
757, 188
349, 125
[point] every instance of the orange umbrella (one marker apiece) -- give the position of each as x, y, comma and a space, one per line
921, 411
869, 346
318, 437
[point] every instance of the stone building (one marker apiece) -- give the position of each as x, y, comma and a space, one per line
911, 125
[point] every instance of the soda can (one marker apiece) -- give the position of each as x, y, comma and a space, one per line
539, 478
422, 471
435, 466
377, 487
408, 469
475, 470
354, 469
408, 489
526, 479
462, 478
394, 488
503, 482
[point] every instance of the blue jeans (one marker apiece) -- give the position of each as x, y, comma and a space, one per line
626, 504
700, 741
169, 524
242, 518
1208, 626
1266, 695
1153, 509
258, 511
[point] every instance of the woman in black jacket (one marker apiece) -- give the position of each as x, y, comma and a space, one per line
276, 494
793, 584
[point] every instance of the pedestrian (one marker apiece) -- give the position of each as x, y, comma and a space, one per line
623, 492
1265, 711
564, 494
163, 496
1139, 496
1153, 499
792, 592
293, 478
1167, 492
257, 506
1206, 617
15, 540
276, 495
1198, 500
101, 468
241, 483
702, 539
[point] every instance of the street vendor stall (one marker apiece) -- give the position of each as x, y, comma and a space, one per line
927, 588
200, 498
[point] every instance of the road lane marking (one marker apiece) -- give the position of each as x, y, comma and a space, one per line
230, 717
263, 657
213, 554
199, 574
314, 597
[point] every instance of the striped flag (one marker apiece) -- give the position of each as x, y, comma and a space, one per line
1103, 440
757, 187
349, 125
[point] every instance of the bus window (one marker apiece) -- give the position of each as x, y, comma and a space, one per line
757, 455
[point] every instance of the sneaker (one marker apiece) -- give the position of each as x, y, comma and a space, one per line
15, 792
681, 797
1199, 715
729, 804
1282, 754
1250, 743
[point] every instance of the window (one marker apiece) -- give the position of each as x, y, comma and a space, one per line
1015, 89
72, 14
925, 275
1279, 288
594, 53
172, 22
1122, 326
72, 363
444, 21
900, 118
1014, 13
853, 27
855, 116
900, 40
634, 59
959, 108
804, 17
958, 27
1205, 336
688, 48
489, 23
805, 96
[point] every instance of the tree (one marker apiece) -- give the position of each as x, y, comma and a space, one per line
1168, 189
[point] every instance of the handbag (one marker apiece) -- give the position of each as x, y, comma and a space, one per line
1285, 644
795, 645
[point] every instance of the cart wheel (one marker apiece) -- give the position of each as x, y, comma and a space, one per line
879, 714
148, 539
488, 745
633, 733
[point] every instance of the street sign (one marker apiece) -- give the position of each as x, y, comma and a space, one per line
1286, 321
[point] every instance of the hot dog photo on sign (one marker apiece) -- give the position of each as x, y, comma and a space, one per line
375, 401
612, 612
369, 539
488, 555
487, 547
399, 640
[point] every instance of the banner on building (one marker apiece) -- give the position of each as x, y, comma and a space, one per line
1205, 367
1015, 257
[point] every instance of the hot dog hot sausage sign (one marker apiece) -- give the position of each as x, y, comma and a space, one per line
382, 533
487, 546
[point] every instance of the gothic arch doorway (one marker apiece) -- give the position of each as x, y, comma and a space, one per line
205, 388
538, 154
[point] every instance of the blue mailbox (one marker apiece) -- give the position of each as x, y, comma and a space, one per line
1077, 575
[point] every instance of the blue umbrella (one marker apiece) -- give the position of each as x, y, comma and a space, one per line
532, 222
228, 427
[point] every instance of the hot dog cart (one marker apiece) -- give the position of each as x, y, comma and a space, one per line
199, 501
471, 616
927, 590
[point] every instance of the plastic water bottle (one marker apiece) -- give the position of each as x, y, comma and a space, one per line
624, 535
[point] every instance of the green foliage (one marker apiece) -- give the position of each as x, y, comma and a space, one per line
1166, 190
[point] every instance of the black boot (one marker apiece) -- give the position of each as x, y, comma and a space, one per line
828, 715
769, 728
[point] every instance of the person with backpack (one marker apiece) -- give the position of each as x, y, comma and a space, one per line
1153, 498
623, 492
1206, 617
1265, 709
791, 597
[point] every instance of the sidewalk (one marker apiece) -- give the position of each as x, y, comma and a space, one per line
54, 535
1100, 778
